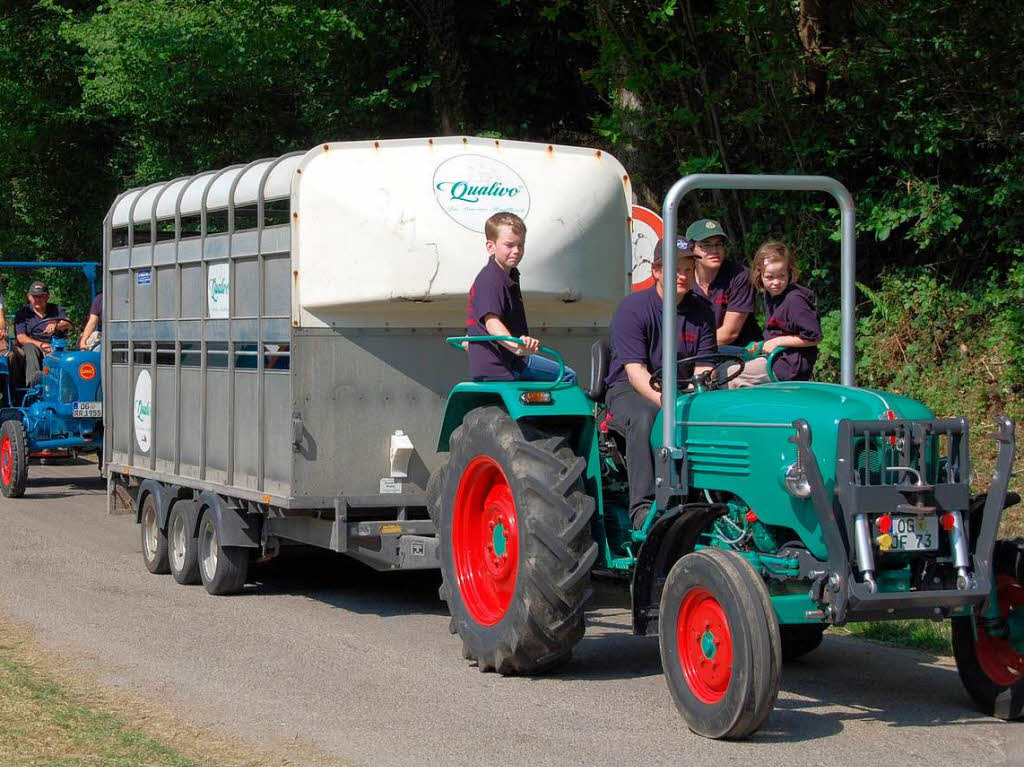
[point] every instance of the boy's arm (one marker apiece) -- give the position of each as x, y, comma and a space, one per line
495, 327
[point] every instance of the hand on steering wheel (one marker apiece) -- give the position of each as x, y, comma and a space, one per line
702, 381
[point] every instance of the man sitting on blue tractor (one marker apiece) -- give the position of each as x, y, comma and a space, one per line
35, 324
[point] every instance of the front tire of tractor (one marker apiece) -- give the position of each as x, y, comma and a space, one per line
223, 569
720, 646
798, 639
182, 546
516, 543
13, 459
989, 666
154, 540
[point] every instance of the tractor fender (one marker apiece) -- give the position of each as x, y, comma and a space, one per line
163, 495
568, 404
671, 537
233, 528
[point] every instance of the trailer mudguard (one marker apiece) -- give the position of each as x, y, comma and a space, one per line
163, 495
567, 402
233, 528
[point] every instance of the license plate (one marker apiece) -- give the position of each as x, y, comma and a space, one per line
914, 533
87, 409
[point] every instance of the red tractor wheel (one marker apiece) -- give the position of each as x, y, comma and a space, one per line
990, 664
720, 646
516, 545
13, 459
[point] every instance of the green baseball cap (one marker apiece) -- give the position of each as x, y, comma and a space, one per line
706, 227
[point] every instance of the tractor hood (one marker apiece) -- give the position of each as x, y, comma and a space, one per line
819, 404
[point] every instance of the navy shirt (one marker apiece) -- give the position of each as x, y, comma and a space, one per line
498, 293
31, 324
636, 331
97, 309
731, 291
792, 313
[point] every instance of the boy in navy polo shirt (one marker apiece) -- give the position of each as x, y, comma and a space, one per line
495, 308
725, 285
636, 354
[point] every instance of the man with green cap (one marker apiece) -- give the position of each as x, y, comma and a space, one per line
725, 285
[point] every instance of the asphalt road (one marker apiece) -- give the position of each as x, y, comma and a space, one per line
362, 664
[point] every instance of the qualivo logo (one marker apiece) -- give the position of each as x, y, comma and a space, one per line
471, 188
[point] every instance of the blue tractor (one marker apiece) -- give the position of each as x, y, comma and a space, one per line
61, 409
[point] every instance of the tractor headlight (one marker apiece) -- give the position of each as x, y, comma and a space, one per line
796, 481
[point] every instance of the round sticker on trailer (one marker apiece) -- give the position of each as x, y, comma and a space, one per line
143, 409
471, 188
647, 231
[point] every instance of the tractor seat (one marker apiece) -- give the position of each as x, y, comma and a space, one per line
600, 355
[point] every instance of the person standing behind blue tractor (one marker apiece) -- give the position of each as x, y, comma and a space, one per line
35, 325
91, 337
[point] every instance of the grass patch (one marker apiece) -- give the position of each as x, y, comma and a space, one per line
919, 634
42, 722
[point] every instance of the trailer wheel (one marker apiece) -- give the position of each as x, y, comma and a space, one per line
13, 459
798, 639
183, 547
990, 667
154, 540
719, 642
516, 544
223, 569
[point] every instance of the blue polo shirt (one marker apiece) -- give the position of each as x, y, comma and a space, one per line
498, 293
31, 324
731, 291
636, 331
792, 313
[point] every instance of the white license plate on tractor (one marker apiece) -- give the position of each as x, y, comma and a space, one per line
915, 533
87, 409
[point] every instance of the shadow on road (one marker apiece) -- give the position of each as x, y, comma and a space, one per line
69, 485
844, 682
342, 582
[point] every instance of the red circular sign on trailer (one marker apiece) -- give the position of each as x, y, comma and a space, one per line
87, 371
646, 233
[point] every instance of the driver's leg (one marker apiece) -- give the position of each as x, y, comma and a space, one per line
33, 362
634, 416
754, 372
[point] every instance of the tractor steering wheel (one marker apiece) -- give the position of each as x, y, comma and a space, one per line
702, 381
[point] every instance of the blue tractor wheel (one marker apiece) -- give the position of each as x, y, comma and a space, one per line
13, 459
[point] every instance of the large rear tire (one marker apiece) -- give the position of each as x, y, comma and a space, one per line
182, 545
720, 646
154, 539
13, 459
223, 569
516, 544
989, 666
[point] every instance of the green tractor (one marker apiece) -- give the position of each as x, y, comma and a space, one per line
780, 510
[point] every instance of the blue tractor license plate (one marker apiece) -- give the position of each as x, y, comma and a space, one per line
87, 409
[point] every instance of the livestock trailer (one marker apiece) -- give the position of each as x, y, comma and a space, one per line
272, 352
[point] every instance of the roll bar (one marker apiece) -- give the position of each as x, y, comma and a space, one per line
670, 213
